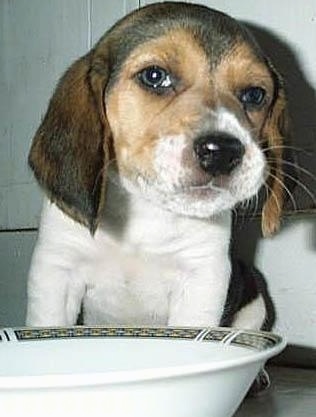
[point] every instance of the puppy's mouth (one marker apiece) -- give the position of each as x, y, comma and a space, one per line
196, 187
200, 183
200, 192
204, 167
216, 183
213, 185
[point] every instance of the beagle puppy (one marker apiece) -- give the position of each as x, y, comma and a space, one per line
149, 143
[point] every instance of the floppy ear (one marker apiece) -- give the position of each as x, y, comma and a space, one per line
275, 130
70, 150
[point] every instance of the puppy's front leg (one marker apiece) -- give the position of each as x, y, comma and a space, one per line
199, 298
55, 288
53, 299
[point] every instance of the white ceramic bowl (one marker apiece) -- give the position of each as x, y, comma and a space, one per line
129, 372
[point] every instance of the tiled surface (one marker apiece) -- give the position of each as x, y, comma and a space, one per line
292, 394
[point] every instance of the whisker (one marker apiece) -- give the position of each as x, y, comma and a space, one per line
240, 214
286, 189
303, 186
235, 212
250, 207
253, 204
249, 203
296, 166
270, 191
297, 181
244, 206
293, 148
256, 205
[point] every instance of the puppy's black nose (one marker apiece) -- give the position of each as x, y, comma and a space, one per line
218, 153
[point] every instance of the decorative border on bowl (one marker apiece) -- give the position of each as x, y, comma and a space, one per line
95, 332
254, 340
227, 336
4, 337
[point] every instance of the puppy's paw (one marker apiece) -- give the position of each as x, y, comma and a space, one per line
260, 384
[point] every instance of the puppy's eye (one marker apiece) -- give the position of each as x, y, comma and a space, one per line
252, 97
155, 78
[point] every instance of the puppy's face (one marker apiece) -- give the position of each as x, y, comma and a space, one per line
184, 102
186, 122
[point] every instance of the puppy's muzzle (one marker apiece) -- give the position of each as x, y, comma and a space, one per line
218, 153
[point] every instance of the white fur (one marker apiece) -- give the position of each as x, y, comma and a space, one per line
160, 255
164, 269
252, 315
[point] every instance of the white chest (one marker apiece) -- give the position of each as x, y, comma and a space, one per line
141, 268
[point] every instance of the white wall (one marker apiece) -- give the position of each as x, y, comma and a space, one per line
40, 38
288, 262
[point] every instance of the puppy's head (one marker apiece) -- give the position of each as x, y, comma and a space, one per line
187, 105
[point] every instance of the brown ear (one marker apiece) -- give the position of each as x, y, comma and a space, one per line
70, 150
274, 133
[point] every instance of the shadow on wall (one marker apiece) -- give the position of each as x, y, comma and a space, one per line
302, 107
302, 152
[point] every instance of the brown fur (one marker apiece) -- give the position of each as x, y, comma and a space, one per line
274, 130
272, 126
97, 107
136, 117
239, 69
70, 149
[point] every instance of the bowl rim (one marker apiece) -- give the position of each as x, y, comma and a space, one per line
256, 355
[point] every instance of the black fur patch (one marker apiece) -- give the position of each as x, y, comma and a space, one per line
246, 284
